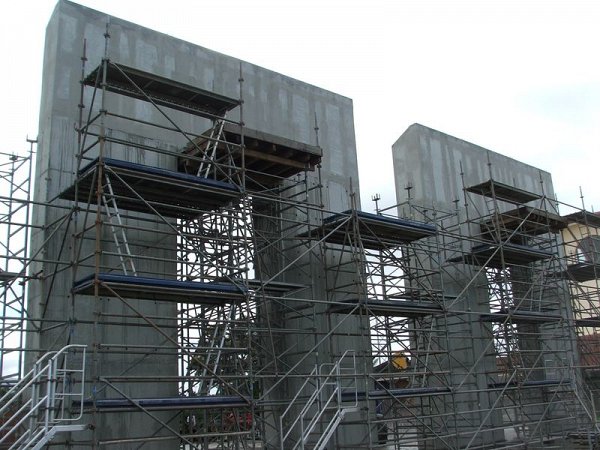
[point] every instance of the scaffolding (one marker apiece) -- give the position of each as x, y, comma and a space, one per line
216, 302
15, 182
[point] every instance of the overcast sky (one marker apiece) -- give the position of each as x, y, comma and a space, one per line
518, 77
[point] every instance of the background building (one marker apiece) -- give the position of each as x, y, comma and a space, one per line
582, 246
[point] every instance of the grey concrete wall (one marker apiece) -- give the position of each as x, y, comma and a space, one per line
437, 167
273, 103
431, 162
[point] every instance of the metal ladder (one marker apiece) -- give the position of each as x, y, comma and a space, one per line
40, 405
118, 232
210, 152
320, 395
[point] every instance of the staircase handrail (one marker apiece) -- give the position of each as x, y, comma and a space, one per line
325, 402
324, 377
336, 393
313, 374
44, 371
13, 393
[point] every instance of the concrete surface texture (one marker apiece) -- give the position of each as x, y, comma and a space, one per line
273, 103
436, 167
432, 163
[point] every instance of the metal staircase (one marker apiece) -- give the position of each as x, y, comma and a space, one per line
40, 405
327, 395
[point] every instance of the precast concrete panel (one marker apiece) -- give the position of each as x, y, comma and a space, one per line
273, 103
437, 167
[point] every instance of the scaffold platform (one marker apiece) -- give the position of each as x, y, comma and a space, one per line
142, 188
529, 384
517, 316
383, 394
504, 192
166, 403
146, 288
499, 255
273, 287
6, 276
585, 218
522, 221
376, 231
588, 322
149, 87
392, 308
267, 159
582, 272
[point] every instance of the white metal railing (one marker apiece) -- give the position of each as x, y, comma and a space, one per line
329, 389
40, 405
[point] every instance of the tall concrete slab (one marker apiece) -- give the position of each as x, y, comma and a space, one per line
273, 103
433, 168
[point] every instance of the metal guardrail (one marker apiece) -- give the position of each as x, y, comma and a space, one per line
42, 400
321, 393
